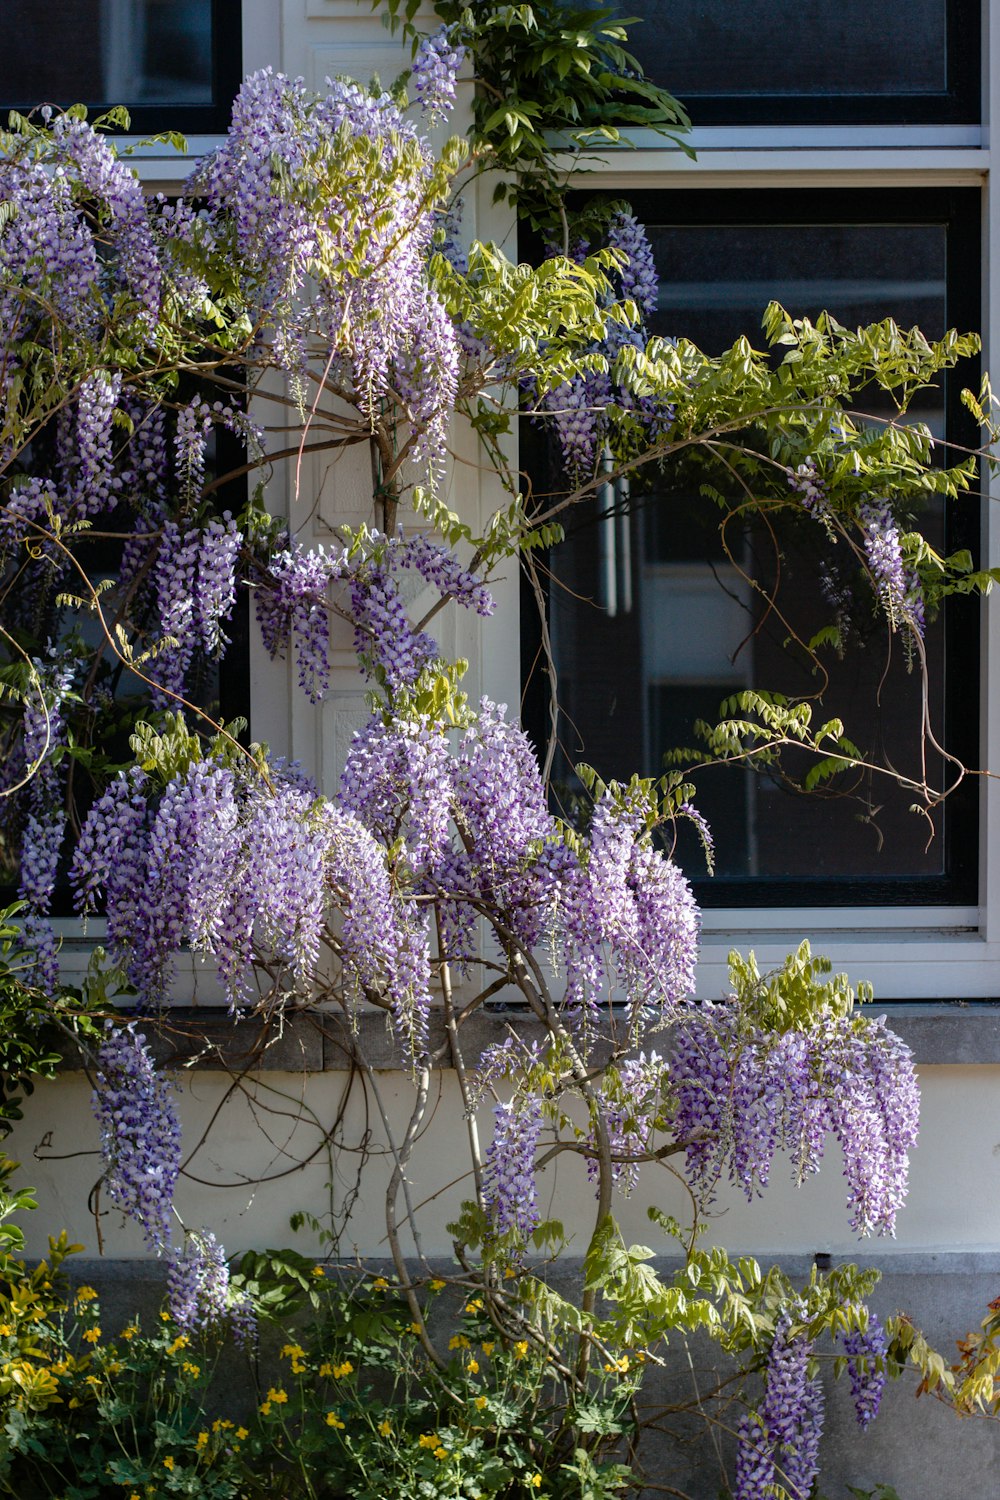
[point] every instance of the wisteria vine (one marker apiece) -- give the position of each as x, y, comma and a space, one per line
315, 254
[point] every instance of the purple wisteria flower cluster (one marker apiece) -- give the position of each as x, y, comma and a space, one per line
235, 867
435, 72
779, 1444
633, 1099
141, 1146
294, 608
626, 902
194, 576
811, 489
42, 807
510, 1189
866, 1355
478, 836
366, 247
199, 1292
578, 410
743, 1093
140, 1132
898, 587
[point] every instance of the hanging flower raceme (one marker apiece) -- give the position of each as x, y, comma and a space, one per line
140, 1134
199, 1292
898, 587
122, 207
42, 807
578, 408
779, 1444
866, 1365
626, 902
435, 71
509, 1187
293, 605
47, 251
237, 868
743, 1092
194, 576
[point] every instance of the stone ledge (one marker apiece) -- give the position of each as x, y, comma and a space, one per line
939, 1033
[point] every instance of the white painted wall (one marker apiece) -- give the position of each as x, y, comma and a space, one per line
954, 1199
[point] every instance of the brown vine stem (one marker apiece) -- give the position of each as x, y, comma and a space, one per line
536, 992
397, 1181
458, 1061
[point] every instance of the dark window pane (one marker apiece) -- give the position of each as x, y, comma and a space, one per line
147, 54
656, 618
811, 61
786, 47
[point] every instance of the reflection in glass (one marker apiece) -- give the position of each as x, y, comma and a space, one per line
634, 681
106, 52
791, 47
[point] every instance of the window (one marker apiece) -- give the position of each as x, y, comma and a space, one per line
810, 62
176, 64
655, 620
840, 163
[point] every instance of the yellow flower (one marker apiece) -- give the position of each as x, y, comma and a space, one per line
429, 1440
319, 1270
480, 1403
265, 1408
187, 1368
474, 1306
92, 1335
414, 1327
473, 1367
535, 1481
520, 1349
135, 1495
380, 1284
332, 1420
277, 1395
440, 1453
489, 1347
437, 1284
129, 1333
458, 1341
5, 1330
339, 1371
293, 1351
165, 1317
241, 1434
385, 1428
325, 1370
86, 1294
510, 1273
168, 1463
180, 1342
